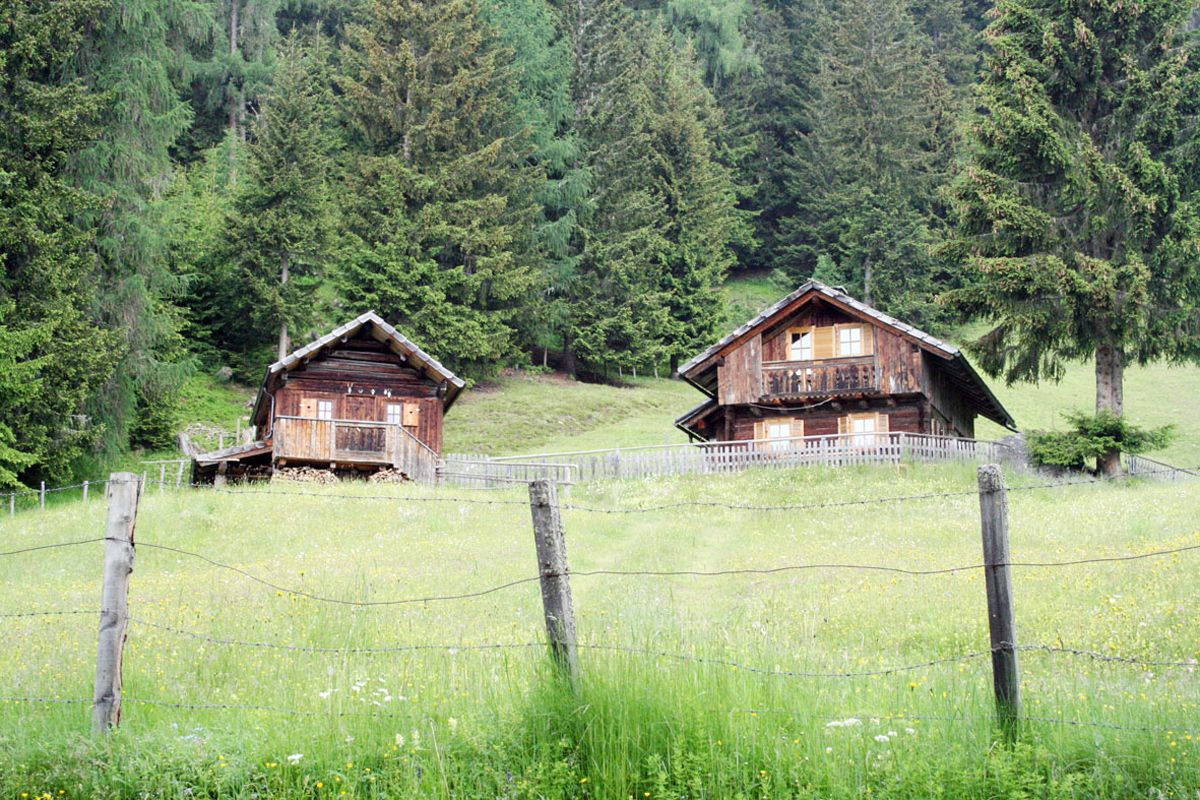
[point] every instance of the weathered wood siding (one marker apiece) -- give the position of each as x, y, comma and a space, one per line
946, 399
910, 416
740, 378
898, 360
361, 378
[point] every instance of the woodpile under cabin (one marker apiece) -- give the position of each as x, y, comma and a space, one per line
361, 399
821, 363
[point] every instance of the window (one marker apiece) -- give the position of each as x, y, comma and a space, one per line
800, 347
850, 341
863, 429
776, 434
324, 409
395, 413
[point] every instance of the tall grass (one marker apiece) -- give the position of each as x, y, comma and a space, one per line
499, 723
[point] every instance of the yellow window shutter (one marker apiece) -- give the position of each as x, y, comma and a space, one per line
308, 407
823, 342
843, 425
868, 341
760, 430
797, 427
881, 423
412, 415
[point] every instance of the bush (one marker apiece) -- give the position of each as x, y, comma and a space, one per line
1090, 437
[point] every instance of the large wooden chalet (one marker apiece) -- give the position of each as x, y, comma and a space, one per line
359, 399
820, 363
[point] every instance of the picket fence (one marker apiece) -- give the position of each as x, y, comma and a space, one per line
707, 458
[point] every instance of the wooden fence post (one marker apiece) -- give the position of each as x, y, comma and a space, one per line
162, 477
42, 495
1006, 674
551, 542
124, 491
179, 475
85, 491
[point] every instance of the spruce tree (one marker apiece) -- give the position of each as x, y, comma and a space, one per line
441, 195
1077, 209
282, 232
128, 57
53, 356
865, 177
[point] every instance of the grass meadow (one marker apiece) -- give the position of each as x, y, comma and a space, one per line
466, 718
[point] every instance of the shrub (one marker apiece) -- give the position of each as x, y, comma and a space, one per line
1091, 436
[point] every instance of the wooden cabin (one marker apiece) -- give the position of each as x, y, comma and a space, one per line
821, 363
359, 399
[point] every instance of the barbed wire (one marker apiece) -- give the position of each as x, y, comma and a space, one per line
337, 600
52, 546
95, 611
1098, 656
901, 717
52, 490
375, 497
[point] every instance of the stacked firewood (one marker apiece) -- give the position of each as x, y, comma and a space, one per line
388, 476
304, 475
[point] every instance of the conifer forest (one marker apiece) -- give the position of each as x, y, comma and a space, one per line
191, 185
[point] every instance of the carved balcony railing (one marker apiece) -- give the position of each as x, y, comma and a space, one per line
783, 379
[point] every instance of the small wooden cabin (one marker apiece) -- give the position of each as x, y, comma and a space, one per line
821, 363
359, 399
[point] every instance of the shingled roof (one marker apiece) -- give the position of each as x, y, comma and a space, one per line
701, 370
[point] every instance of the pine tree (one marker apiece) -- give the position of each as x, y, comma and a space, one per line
441, 197
52, 355
865, 176
542, 59
1077, 209
715, 30
128, 57
282, 233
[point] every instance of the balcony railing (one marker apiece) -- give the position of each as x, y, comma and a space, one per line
341, 441
820, 378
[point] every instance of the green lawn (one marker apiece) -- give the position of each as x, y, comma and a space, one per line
494, 722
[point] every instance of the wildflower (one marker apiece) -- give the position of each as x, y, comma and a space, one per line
583, 780
910, 731
294, 758
882, 739
453, 723
849, 722
892, 733
828, 750
320, 784
399, 740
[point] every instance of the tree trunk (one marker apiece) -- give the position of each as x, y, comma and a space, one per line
234, 101
568, 364
867, 280
1110, 396
284, 345
674, 365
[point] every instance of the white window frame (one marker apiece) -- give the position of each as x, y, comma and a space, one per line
777, 439
850, 340
395, 413
801, 349
863, 430
325, 409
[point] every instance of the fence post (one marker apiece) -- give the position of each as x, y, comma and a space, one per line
42, 495
12, 504
551, 543
85, 491
179, 476
1006, 675
124, 490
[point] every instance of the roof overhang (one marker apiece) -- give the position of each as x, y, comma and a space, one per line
691, 422
381, 331
239, 452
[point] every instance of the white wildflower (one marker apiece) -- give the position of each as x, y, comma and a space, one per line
882, 739
399, 740
849, 722
294, 758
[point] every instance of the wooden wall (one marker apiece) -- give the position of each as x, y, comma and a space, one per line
361, 377
909, 416
898, 358
946, 399
739, 379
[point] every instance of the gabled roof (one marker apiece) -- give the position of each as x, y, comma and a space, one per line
372, 324
701, 370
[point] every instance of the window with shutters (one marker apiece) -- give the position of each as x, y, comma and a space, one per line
862, 430
850, 340
778, 434
800, 344
395, 413
324, 409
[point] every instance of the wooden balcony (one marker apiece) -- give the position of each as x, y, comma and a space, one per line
844, 376
353, 443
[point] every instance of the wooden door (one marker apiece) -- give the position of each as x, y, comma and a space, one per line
360, 408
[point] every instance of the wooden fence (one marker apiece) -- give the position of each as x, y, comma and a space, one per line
721, 457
